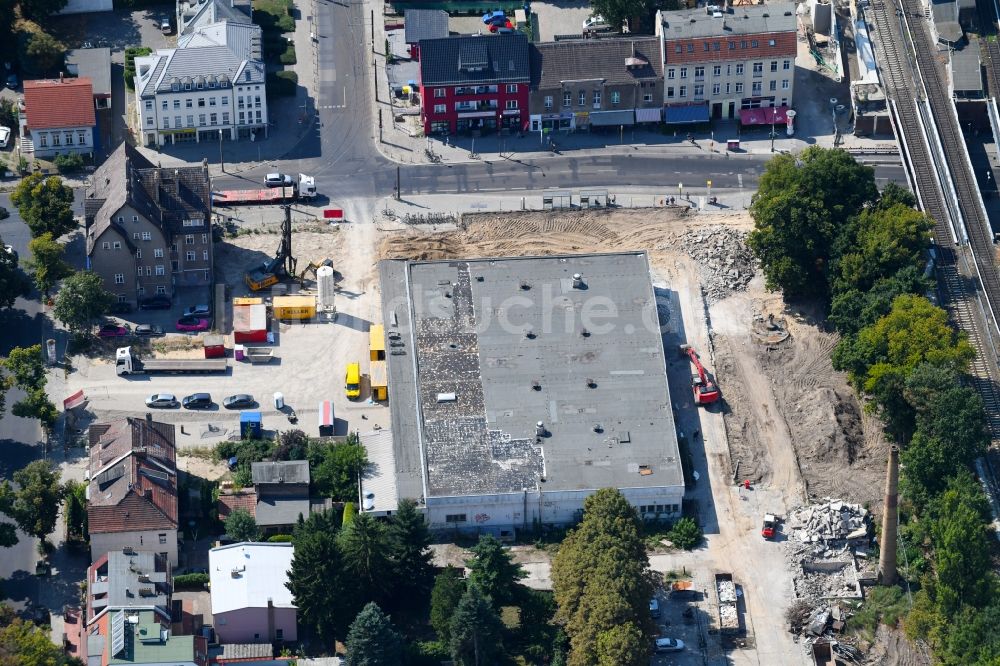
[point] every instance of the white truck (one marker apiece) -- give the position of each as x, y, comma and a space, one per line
127, 363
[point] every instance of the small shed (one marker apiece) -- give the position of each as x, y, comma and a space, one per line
250, 323
379, 380
215, 346
326, 419
251, 425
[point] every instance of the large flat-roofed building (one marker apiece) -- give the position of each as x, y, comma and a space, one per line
522, 385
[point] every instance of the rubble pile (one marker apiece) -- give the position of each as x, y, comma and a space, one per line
725, 261
834, 520
838, 582
728, 615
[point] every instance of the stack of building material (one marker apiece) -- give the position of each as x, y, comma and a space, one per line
834, 520
250, 323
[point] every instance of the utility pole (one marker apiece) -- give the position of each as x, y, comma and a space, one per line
399, 192
373, 31
222, 161
380, 125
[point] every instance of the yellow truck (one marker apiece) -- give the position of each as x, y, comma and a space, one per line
294, 307
352, 380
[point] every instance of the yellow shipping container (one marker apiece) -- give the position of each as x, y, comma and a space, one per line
294, 307
376, 342
379, 380
247, 300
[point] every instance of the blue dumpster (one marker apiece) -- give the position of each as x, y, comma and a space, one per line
251, 425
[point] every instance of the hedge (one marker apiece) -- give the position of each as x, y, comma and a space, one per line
280, 538
194, 581
282, 84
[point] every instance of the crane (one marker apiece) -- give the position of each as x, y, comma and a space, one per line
705, 390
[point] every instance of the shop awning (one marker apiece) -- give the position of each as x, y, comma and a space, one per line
689, 113
764, 116
606, 118
654, 115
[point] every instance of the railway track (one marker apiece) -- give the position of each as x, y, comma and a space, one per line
907, 88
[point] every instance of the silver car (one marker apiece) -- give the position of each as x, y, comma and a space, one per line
162, 401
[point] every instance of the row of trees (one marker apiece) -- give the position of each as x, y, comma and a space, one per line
823, 232
24, 368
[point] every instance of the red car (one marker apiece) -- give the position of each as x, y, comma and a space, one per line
112, 331
188, 324
506, 26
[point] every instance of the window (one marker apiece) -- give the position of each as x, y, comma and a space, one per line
772, 86
786, 65
785, 83
716, 46
707, 46
670, 91
548, 101
201, 119
206, 276
138, 253
670, 73
190, 122
159, 269
242, 119
771, 42
743, 44
160, 290
728, 86
616, 97
149, 121
158, 252
149, 105
188, 103
732, 46
684, 72
755, 90
739, 69
647, 98
511, 104
583, 98
177, 104
774, 65
119, 278
147, 235
597, 99
279, 634
45, 139
163, 537
455, 518
192, 223
678, 48
739, 88
213, 118
201, 85
55, 138
189, 239
149, 270
512, 87
135, 236
567, 99
201, 102
211, 101
190, 255
117, 245
225, 101
682, 91
164, 105
717, 71
699, 90
138, 271
225, 117
758, 68
753, 44
204, 255
699, 72
716, 88
691, 47
256, 101
106, 245
204, 238
69, 138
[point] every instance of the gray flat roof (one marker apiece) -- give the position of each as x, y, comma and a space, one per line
752, 20
966, 67
271, 511
92, 63
470, 384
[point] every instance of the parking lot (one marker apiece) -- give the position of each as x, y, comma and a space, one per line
118, 29
560, 17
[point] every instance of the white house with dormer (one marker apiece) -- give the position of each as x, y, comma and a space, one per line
211, 87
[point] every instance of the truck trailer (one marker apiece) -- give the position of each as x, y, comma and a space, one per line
304, 189
729, 614
128, 363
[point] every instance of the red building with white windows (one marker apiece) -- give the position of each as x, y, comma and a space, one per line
474, 82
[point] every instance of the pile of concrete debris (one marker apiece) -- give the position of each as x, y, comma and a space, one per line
831, 521
725, 261
830, 577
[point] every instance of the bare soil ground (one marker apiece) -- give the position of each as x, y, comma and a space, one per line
792, 421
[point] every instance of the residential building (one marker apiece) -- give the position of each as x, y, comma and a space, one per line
282, 489
511, 404
57, 117
606, 83
421, 24
210, 88
250, 602
717, 63
148, 229
95, 64
141, 638
128, 579
474, 83
132, 492
193, 14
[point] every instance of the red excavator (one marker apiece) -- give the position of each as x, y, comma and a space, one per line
705, 390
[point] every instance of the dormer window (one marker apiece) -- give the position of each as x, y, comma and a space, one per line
224, 83
175, 87
211, 84
187, 86
246, 75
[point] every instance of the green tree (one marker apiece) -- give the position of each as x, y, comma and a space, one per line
337, 468
962, 546
323, 589
26, 367
615, 12
686, 533
38, 10
476, 632
879, 243
34, 498
449, 588
364, 545
131, 53
45, 204
13, 283
26, 644
45, 51
76, 510
409, 552
36, 405
622, 645
372, 640
802, 204
241, 526
292, 445
494, 572
82, 299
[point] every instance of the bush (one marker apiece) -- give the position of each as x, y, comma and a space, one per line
274, 15
281, 538
131, 53
194, 581
426, 653
282, 84
288, 57
245, 450
686, 534
68, 162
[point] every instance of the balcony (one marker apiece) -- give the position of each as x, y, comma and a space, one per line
467, 107
475, 90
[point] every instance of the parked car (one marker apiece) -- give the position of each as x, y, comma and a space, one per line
654, 607
159, 302
165, 26
278, 180
112, 331
594, 22
239, 401
197, 401
161, 401
191, 324
492, 17
10, 249
148, 331
4, 136
669, 645
503, 28
352, 380
199, 310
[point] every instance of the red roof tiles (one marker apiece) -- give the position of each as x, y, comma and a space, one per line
52, 104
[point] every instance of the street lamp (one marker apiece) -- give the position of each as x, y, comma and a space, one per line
774, 117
